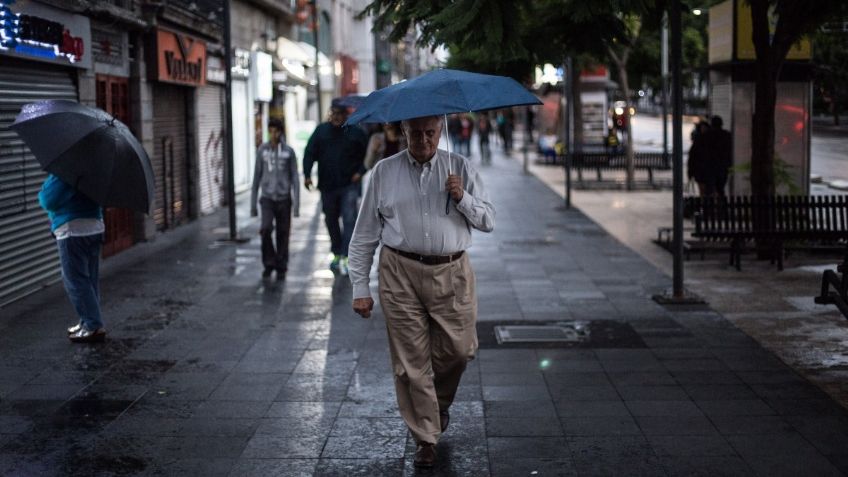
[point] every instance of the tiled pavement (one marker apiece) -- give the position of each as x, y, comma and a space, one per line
211, 371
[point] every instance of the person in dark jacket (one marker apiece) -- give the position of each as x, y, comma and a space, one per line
340, 154
276, 175
698, 165
77, 223
720, 143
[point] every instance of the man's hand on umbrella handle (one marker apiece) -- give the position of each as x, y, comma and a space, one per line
356, 177
308, 183
363, 306
454, 187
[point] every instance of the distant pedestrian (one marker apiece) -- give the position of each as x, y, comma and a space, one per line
340, 153
698, 164
454, 131
547, 146
427, 286
484, 131
720, 144
505, 119
77, 224
384, 143
466, 128
276, 175
529, 124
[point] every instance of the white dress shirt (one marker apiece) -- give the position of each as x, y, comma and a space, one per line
404, 208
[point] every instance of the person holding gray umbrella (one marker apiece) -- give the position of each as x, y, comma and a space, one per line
94, 161
77, 223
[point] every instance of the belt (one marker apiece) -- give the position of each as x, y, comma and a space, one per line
427, 259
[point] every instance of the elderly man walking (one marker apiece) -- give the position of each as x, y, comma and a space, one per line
427, 286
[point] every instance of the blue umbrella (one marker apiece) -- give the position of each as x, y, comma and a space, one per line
441, 92
351, 100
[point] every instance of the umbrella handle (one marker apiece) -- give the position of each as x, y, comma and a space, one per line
447, 135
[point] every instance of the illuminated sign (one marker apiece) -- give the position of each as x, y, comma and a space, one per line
180, 59
39, 32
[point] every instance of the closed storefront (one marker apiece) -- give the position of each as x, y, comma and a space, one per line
113, 97
170, 156
210, 147
179, 62
34, 65
28, 257
111, 67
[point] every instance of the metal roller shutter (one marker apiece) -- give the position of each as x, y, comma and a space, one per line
170, 163
28, 257
210, 147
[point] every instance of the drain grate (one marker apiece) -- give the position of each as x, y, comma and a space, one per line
573, 332
518, 334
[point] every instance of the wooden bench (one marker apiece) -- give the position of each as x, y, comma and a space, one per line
839, 297
770, 220
603, 161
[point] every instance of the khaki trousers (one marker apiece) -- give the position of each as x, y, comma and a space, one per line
431, 315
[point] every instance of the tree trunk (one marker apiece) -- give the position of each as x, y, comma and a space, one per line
762, 130
625, 86
576, 87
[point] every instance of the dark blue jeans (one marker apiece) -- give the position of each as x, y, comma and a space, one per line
80, 259
340, 204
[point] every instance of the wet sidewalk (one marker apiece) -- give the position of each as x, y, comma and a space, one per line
209, 370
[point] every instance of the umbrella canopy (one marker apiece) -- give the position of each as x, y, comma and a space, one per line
351, 100
90, 150
441, 92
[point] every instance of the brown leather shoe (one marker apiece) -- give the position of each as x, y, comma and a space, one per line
425, 455
444, 418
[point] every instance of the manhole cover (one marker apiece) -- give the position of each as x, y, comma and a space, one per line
557, 334
566, 333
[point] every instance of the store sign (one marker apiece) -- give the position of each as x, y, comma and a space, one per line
34, 31
180, 59
216, 72
262, 76
241, 63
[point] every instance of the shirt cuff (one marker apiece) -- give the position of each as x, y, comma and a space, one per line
464, 204
361, 290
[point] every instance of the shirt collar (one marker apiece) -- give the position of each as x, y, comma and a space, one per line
415, 163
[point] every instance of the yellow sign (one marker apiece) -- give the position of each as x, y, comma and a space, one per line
802, 50
721, 33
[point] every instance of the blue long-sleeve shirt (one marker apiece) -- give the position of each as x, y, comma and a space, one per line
339, 152
63, 203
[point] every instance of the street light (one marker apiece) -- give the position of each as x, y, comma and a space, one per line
697, 12
677, 295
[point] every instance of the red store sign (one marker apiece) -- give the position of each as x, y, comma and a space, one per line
180, 59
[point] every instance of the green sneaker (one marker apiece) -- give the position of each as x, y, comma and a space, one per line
334, 264
343, 267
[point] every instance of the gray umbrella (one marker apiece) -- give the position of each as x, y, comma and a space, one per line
90, 150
